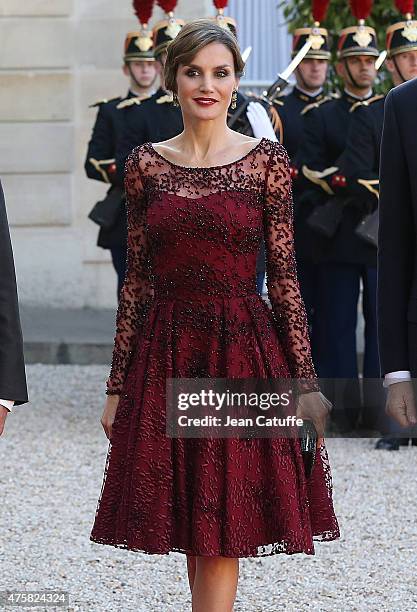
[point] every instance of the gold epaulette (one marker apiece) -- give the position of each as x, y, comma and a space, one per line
167, 98
131, 101
309, 107
371, 185
104, 101
317, 177
365, 102
102, 166
276, 123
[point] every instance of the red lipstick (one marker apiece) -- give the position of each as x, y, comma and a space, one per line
205, 101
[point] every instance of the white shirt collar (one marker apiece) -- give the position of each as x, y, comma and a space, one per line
310, 94
349, 93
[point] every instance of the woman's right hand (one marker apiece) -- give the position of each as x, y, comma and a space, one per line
315, 407
109, 414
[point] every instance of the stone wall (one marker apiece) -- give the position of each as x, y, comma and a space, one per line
56, 58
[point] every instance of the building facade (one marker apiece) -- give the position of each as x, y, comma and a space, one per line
56, 58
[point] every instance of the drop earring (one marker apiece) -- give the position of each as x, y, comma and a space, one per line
234, 99
175, 100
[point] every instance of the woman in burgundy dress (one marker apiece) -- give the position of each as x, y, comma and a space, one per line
198, 205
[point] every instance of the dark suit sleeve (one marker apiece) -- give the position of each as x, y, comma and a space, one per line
395, 245
12, 368
100, 157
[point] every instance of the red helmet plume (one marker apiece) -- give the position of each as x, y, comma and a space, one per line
143, 10
361, 9
167, 5
220, 4
319, 9
406, 7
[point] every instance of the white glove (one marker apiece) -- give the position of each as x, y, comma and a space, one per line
260, 122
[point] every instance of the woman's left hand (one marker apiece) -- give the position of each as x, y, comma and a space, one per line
316, 407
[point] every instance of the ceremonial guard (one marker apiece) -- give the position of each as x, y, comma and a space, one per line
100, 163
342, 258
310, 77
360, 167
159, 117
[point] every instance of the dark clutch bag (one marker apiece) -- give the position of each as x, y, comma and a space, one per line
308, 440
368, 228
106, 212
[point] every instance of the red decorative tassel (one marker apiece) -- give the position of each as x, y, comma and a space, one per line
405, 6
220, 4
361, 9
143, 10
320, 9
167, 5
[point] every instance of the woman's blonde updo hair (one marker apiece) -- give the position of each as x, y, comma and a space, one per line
193, 37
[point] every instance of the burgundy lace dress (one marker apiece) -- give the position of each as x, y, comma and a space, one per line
189, 308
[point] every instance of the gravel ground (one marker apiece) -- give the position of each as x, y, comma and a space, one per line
53, 453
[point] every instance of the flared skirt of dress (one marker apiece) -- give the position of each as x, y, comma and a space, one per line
206, 496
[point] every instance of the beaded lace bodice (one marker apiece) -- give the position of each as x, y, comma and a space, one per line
194, 234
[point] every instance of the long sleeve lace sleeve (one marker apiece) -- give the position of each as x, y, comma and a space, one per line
282, 282
137, 293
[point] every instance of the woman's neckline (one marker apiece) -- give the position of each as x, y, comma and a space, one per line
240, 159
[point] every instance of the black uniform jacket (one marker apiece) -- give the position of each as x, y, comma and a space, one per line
154, 120
101, 159
291, 111
326, 131
360, 160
